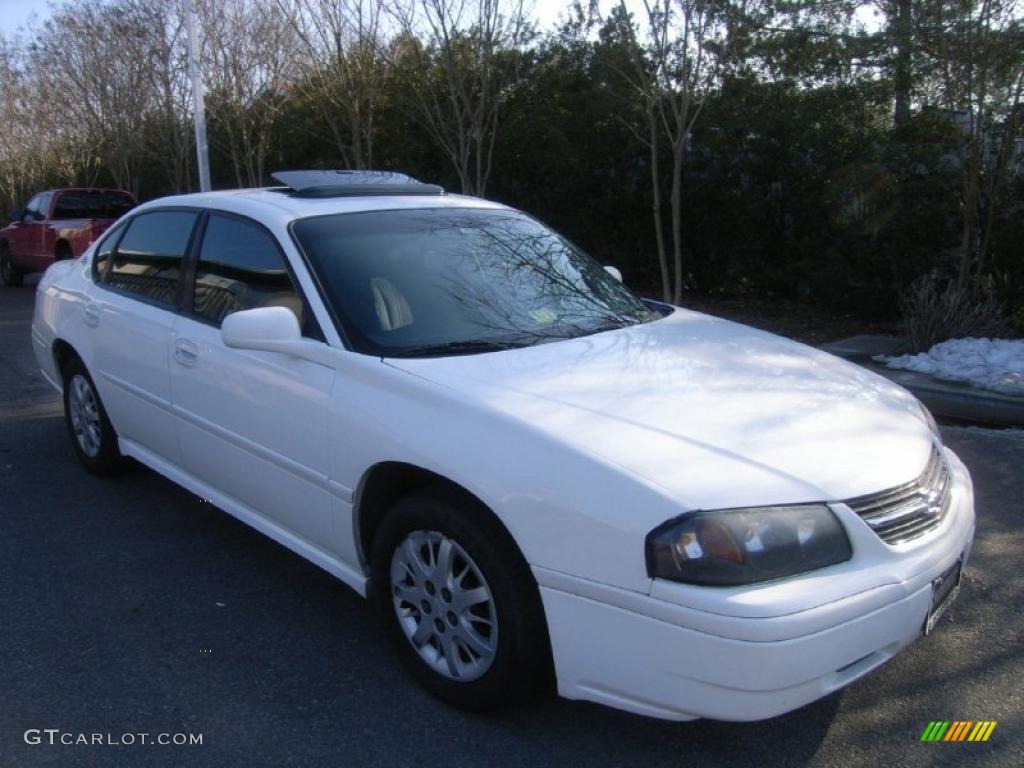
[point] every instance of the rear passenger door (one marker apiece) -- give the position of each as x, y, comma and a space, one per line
253, 425
130, 316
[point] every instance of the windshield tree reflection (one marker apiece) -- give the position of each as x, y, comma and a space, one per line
449, 281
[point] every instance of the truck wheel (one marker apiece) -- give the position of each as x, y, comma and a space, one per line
12, 276
62, 252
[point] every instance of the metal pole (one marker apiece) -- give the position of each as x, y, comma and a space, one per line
202, 150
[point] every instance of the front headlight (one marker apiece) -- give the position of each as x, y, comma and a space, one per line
742, 546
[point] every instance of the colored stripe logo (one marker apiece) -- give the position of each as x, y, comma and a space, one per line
958, 730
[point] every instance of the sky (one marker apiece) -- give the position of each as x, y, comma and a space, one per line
14, 13
547, 12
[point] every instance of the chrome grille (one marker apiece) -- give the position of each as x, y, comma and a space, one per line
909, 510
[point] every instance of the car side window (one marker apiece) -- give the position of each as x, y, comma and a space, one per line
34, 207
105, 251
43, 206
147, 260
241, 267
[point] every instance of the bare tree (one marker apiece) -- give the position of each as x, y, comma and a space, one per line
91, 64
21, 146
461, 58
249, 52
977, 74
901, 27
168, 140
673, 71
342, 69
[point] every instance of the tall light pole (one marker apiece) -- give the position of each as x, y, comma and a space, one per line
202, 150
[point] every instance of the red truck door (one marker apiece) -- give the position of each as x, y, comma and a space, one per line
19, 234
26, 239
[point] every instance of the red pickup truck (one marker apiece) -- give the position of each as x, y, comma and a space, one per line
57, 224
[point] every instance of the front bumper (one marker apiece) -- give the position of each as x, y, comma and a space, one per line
749, 654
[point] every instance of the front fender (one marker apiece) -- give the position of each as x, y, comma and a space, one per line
568, 511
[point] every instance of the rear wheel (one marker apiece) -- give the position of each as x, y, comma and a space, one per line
92, 435
62, 252
460, 602
9, 273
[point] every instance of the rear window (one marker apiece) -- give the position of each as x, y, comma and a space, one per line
93, 204
147, 260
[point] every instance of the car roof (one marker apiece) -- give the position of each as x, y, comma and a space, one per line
279, 205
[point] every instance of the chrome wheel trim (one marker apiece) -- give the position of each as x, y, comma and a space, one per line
85, 415
444, 605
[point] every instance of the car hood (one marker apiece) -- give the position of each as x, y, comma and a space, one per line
717, 414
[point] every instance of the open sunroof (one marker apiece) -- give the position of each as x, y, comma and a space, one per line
353, 184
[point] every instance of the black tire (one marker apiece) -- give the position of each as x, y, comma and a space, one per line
11, 276
62, 252
521, 660
106, 458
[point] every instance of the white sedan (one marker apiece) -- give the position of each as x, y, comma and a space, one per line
536, 475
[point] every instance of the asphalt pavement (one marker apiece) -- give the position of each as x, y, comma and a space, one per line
130, 606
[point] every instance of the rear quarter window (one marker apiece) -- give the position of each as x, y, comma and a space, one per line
105, 249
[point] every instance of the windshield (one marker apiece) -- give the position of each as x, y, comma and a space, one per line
455, 281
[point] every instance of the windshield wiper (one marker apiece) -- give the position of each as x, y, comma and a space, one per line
614, 323
468, 347
608, 324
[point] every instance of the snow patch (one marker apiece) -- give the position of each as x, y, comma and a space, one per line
993, 364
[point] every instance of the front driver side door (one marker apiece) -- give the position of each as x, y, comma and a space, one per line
25, 240
253, 425
39, 254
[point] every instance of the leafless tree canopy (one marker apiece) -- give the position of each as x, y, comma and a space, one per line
342, 70
472, 50
249, 61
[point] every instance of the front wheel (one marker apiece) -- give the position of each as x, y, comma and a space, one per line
461, 604
92, 435
11, 276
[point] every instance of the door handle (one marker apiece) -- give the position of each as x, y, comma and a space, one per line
185, 352
91, 314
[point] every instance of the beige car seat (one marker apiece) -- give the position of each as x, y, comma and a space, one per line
393, 310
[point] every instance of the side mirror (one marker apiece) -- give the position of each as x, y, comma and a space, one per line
264, 328
614, 272
272, 329
16, 215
